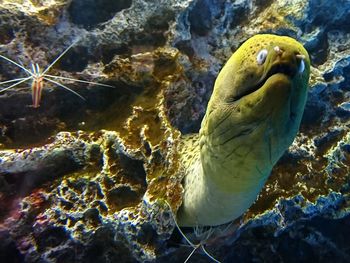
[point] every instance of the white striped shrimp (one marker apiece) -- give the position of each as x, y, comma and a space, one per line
38, 76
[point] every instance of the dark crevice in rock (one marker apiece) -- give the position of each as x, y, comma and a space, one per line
146, 235
341, 71
107, 52
315, 109
102, 247
121, 197
319, 53
326, 141
27, 130
203, 14
92, 216
186, 47
160, 21
137, 174
129, 183
75, 60
262, 4
200, 18
343, 114
90, 13
239, 14
8, 249
6, 34
147, 38
50, 237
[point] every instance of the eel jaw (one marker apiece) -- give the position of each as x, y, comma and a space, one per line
284, 68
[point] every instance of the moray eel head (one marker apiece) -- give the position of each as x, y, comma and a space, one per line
252, 117
260, 58
269, 62
264, 81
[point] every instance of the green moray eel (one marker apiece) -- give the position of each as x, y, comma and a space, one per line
252, 117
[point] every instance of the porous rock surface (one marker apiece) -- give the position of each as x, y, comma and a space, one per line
86, 181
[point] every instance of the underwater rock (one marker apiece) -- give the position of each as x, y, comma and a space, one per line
91, 13
86, 181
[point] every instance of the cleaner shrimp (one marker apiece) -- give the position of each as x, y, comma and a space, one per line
38, 76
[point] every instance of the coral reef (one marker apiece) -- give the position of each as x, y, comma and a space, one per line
86, 181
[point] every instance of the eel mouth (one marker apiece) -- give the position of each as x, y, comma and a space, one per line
278, 68
283, 68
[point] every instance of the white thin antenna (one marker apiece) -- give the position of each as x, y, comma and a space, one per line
64, 52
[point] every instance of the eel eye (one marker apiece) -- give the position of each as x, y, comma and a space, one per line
261, 57
301, 66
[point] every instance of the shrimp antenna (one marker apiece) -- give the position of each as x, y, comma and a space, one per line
194, 246
64, 52
65, 87
18, 65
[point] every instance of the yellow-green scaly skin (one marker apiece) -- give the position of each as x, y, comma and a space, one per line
252, 118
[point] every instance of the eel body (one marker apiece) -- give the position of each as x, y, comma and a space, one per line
252, 117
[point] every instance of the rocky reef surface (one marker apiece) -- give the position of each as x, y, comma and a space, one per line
86, 180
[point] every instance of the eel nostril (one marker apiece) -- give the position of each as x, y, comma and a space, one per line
300, 56
278, 50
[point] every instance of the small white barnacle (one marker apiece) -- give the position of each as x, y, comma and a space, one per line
261, 57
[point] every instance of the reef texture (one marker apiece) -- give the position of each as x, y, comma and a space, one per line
87, 181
